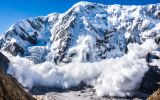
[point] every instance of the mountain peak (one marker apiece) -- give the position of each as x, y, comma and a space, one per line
83, 3
106, 29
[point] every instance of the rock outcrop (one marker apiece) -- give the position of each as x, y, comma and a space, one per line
10, 89
151, 80
3, 63
14, 49
155, 95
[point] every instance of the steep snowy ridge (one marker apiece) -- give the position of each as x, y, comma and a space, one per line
27, 33
110, 29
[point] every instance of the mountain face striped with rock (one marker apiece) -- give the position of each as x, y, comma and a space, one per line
86, 32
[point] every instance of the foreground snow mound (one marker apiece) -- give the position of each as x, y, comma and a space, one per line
113, 77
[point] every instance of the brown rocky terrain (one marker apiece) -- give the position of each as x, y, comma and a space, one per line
155, 95
10, 89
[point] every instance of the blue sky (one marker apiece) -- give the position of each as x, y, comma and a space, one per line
13, 10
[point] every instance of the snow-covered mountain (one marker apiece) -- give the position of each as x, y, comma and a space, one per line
91, 33
86, 32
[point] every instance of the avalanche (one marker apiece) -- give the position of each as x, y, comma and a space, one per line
113, 77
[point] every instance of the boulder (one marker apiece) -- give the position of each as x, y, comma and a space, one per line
155, 95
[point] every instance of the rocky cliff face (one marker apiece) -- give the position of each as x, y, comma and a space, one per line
86, 32
151, 80
10, 89
3, 63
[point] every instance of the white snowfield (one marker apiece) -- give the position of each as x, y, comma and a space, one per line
103, 45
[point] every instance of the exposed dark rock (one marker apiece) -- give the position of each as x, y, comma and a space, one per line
158, 15
90, 7
10, 89
151, 56
33, 39
3, 63
157, 40
151, 80
14, 49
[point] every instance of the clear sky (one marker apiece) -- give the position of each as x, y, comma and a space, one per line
13, 10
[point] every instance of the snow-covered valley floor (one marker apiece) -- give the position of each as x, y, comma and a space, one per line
85, 94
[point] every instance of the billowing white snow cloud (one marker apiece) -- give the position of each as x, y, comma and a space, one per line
114, 77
